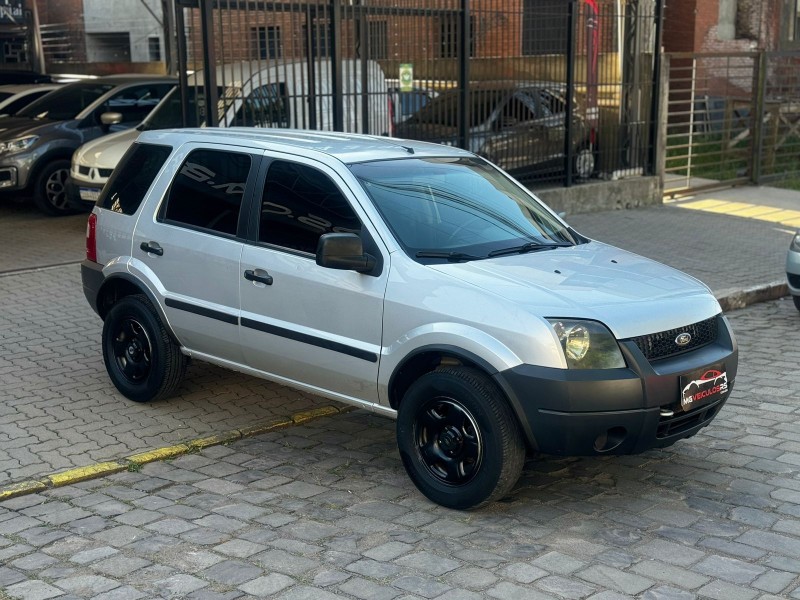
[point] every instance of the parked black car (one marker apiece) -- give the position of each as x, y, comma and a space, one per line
520, 129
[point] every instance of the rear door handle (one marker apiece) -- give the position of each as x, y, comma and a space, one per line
152, 248
250, 275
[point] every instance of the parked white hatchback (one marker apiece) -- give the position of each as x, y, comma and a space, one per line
412, 279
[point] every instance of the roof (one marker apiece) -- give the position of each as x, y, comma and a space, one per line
347, 147
17, 88
125, 79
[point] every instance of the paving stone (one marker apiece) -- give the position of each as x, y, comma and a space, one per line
721, 590
87, 585
511, 591
268, 585
388, 551
609, 577
665, 592
283, 562
420, 586
774, 581
240, 548
559, 563
179, 586
88, 556
661, 571
367, 590
33, 590
729, 569
522, 572
428, 563
124, 592
231, 572
564, 587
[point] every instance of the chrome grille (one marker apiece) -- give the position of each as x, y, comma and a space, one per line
657, 346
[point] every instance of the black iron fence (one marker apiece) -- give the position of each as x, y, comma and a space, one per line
731, 118
553, 90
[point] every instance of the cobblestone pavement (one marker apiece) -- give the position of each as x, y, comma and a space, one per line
325, 510
59, 409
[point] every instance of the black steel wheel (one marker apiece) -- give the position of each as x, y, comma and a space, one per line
142, 361
458, 438
50, 189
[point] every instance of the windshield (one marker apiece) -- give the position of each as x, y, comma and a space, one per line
65, 103
462, 208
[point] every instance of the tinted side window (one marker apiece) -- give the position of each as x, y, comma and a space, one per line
129, 183
134, 103
301, 203
207, 191
266, 106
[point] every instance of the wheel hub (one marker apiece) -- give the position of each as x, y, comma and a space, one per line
450, 440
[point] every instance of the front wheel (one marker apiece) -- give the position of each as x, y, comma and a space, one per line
584, 163
141, 359
50, 189
458, 439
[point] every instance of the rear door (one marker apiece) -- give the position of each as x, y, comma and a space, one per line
193, 244
301, 322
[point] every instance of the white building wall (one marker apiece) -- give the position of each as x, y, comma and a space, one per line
124, 17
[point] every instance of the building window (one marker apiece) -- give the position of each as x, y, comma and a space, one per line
448, 36
544, 27
378, 40
320, 40
154, 49
266, 42
791, 24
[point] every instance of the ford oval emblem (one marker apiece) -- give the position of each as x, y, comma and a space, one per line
683, 339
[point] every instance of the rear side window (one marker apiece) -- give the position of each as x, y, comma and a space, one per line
207, 191
129, 183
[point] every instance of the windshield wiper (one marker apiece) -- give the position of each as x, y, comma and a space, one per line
529, 247
450, 256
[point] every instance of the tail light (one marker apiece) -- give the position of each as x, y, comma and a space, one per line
391, 115
91, 238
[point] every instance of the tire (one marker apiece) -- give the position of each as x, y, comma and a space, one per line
458, 438
584, 163
796, 300
50, 189
142, 361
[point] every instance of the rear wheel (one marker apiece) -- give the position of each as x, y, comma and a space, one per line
458, 439
50, 189
142, 361
584, 162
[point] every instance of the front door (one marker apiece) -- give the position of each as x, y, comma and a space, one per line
300, 322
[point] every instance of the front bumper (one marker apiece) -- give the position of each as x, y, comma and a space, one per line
615, 411
793, 272
82, 195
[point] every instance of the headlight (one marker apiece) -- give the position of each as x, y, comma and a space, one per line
18, 144
795, 247
587, 344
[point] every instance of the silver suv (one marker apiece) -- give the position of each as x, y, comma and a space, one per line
415, 280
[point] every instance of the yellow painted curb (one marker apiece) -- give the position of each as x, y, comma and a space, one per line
266, 427
22, 488
314, 413
109, 468
159, 454
84, 473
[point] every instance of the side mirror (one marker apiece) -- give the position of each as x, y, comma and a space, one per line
107, 119
343, 251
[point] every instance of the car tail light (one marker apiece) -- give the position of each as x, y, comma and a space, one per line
391, 115
91, 238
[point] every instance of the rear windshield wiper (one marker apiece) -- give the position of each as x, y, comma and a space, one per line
529, 247
449, 256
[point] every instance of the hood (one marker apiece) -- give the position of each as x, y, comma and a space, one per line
15, 127
105, 152
630, 294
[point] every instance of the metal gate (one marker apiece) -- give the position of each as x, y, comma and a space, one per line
731, 118
552, 90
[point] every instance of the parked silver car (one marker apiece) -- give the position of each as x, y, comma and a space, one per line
37, 143
411, 279
793, 269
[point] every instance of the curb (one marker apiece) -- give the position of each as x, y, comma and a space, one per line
734, 299
134, 461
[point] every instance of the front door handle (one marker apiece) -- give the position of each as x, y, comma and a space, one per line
152, 248
250, 275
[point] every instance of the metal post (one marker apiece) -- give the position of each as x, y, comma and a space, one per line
758, 117
336, 66
655, 98
463, 75
38, 62
572, 20
180, 30
170, 52
311, 17
209, 63
362, 35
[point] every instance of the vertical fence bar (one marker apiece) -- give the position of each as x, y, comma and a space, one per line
361, 21
209, 62
655, 99
311, 17
572, 20
463, 75
337, 88
760, 84
183, 79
